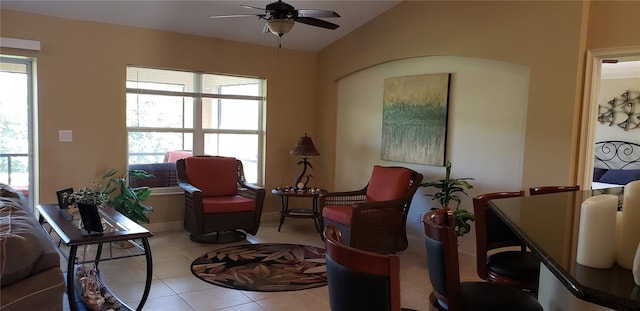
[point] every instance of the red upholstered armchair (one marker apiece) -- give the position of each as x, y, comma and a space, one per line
374, 218
218, 199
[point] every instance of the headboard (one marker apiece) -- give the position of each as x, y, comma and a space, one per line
616, 162
617, 154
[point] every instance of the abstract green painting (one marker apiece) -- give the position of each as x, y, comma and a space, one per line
414, 118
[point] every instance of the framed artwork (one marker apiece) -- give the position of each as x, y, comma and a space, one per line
63, 195
414, 118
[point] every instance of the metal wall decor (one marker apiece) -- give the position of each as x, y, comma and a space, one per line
626, 106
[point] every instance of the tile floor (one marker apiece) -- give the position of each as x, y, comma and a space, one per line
174, 288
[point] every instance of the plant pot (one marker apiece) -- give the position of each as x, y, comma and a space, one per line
90, 218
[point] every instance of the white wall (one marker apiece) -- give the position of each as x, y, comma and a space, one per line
485, 136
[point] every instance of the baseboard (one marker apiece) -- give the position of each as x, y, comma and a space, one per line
267, 217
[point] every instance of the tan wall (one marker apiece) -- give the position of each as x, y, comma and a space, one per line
546, 37
613, 24
81, 70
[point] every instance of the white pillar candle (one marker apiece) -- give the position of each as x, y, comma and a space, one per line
597, 233
636, 267
629, 225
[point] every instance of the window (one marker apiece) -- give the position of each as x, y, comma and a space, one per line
173, 114
17, 115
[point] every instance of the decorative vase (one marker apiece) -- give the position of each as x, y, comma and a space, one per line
636, 266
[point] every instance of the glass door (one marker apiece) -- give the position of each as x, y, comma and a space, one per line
16, 125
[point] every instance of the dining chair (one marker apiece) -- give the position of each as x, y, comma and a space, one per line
360, 280
219, 202
552, 189
444, 274
374, 218
496, 259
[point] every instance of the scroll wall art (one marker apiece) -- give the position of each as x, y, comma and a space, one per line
623, 111
414, 118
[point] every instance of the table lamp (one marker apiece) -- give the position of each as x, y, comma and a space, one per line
304, 148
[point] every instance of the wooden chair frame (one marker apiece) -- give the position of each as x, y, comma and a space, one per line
493, 234
364, 262
552, 189
375, 226
200, 224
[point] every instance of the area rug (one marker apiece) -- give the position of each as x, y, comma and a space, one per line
263, 267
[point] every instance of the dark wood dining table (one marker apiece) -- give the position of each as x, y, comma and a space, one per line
549, 225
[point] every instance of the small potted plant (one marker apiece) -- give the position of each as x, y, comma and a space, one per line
89, 196
448, 190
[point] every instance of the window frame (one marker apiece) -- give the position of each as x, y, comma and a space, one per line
197, 131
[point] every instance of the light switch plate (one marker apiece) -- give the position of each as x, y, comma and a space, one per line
65, 136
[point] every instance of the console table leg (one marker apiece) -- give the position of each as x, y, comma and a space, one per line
71, 291
147, 285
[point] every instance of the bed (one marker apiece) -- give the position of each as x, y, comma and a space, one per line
616, 163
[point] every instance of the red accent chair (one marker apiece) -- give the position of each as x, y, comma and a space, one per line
218, 199
360, 280
374, 218
496, 261
444, 274
175, 155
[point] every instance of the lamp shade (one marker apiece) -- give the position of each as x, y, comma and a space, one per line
305, 147
280, 27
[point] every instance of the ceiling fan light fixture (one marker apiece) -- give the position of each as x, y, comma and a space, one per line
279, 27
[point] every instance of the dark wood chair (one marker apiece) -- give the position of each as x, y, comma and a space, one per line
552, 189
443, 266
218, 199
360, 280
496, 260
374, 218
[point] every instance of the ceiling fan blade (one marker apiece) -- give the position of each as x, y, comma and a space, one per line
317, 13
252, 7
237, 15
316, 22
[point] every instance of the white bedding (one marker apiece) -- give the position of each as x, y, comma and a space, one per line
601, 185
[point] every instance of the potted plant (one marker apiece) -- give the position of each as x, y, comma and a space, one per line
125, 199
88, 196
117, 193
449, 188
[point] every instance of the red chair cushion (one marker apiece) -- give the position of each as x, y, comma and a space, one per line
387, 183
227, 204
214, 176
340, 214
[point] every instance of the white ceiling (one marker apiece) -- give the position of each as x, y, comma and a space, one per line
191, 17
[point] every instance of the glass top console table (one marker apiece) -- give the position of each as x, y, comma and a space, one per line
117, 228
549, 225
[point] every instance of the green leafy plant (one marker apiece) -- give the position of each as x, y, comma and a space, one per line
88, 196
128, 200
117, 193
448, 191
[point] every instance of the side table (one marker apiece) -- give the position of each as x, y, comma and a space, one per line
286, 193
124, 229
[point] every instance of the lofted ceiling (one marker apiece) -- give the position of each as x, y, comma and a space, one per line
191, 17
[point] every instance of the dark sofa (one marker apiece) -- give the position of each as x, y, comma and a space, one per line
30, 274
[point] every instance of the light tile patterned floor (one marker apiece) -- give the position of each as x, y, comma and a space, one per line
174, 288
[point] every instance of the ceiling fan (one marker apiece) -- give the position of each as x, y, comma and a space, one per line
281, 17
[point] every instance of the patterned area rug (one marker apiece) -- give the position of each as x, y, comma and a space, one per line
263, 267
